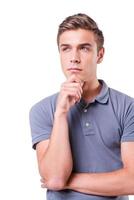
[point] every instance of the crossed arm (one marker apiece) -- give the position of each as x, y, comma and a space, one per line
120, 182
55, 159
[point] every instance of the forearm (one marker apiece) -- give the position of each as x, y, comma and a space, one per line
119, 182
57, 162
56, 165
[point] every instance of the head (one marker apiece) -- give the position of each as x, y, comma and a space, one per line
80, 44
81, 21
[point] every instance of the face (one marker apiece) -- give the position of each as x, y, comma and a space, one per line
79, 54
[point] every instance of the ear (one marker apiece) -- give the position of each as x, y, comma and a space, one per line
100, 55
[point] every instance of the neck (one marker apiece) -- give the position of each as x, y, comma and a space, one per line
91, 89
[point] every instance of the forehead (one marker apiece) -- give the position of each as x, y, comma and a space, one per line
78, 36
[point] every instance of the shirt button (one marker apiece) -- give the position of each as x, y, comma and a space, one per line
87, 124
85, 110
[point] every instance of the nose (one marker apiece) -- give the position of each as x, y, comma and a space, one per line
75, 59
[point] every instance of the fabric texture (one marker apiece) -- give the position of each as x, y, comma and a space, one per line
96, 130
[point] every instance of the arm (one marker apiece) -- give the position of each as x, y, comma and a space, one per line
55, 158
55, 161
119, 182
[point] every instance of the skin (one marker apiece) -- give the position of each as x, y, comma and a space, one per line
79, 58
79, 66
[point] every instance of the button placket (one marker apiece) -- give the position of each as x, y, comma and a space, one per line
86, 122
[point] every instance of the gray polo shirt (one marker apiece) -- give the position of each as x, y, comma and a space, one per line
96, 131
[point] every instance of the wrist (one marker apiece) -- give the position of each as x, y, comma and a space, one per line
60, 113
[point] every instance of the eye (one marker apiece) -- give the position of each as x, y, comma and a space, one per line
65, 49
84, 48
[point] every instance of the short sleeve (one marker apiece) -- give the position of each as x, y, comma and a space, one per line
40, 122
128, 131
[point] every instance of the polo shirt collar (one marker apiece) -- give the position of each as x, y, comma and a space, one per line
102, 97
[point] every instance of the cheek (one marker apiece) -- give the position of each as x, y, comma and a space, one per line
62, 58
63, 63
90, 65
92, 62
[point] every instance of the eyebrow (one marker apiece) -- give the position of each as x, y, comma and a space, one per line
64, 45
79, 45
85, 45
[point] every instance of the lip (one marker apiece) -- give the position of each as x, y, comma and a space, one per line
74, 69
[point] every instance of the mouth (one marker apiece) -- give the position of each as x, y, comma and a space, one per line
74, 69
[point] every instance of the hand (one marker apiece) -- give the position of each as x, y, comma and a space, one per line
43, 183
70, 93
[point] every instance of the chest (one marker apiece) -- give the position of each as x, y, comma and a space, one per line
95, 137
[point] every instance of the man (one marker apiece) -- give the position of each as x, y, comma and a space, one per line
84, 135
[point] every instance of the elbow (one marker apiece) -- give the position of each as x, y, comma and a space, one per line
56, 184
54, 181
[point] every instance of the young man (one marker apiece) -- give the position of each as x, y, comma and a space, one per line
84, 135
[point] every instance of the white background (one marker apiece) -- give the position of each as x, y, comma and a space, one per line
30, 70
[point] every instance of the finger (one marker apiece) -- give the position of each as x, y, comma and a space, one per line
76, 92
42, 180
43, 186
82, 84
72, 92
76, 86
72, 87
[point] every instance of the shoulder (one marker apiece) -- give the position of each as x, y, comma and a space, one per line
47, 104
122, 104
41, 117
119, 97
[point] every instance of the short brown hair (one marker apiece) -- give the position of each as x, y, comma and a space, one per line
81, 21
